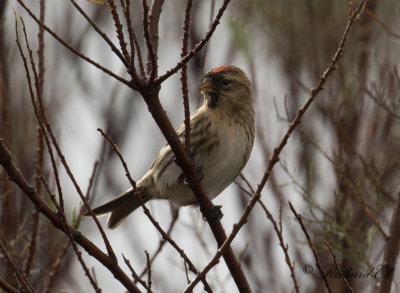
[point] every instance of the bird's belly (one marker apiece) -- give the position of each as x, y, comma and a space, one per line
219, 169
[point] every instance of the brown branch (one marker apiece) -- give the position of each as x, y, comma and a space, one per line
148, 265
206, 206
185, 90
196, 48
384, 26
278, 230
164, 234
135, 276
32, 246
163, 241
275, 156
392, 247
15, 175
6, 286
87, 195
116, 150
150, 96
78, 254
150, 28
314, 251
101, 33
133, 43
47, 131
119, 31
154, 18
46, 128
338, 267
38, 105
72, 49
19, 275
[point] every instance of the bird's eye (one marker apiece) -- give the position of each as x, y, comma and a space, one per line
226, 81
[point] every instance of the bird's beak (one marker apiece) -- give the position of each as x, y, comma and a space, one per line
207, 86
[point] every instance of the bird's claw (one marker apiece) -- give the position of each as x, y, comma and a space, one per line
195, 180
214, 215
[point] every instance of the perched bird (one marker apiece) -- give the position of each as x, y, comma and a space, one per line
221, 139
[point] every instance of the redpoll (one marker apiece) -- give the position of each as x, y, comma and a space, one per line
221, 139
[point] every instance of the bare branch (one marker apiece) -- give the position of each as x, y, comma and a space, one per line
109, 262
338, 267
73, 50
275, 157
185, 90
196, 48
314, 251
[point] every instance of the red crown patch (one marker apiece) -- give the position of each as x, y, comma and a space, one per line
221, 69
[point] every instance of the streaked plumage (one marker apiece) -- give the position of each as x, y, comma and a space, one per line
222, 136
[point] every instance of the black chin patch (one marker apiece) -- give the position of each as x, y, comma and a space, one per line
212, 100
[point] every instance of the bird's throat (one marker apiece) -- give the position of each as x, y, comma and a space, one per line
212, 100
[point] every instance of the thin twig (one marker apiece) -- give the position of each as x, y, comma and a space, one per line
148, 264
20, 276
384, 26
133, 43
278, 230
116, 150
72, 49
164, 234
47, 131
151, 54
338, 267
78, 254
41, 117
102, 34
32, 246
16, 176
314, 251
196, 48
185, 90
162, 240
275, 157
135, 276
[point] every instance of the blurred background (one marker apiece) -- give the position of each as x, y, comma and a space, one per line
340, 169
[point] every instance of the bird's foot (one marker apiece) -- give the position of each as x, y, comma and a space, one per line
195, 180
214, 215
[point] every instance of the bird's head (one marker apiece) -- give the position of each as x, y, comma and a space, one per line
226, 87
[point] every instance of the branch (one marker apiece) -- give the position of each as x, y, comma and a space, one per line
190, 172
165, 235
16, 176
196, 48
185, 90
338, 267
73, 50
314, 251
21, 278
150, 26
275, 157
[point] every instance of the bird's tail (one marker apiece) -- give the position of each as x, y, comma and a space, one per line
121, 206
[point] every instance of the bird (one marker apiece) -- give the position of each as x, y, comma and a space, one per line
221, 139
